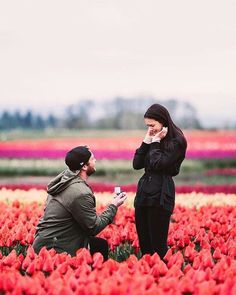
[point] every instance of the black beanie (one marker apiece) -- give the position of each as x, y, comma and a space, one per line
77, 157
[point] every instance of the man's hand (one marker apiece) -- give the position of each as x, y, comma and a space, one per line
119, 199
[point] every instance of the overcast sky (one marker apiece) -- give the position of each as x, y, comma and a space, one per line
53, 53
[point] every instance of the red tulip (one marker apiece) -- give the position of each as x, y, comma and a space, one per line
62, 290
206, 258
176, 259
196, 262
144, 264
169, 285
48, 265
206, 288
9, 282
73, 283
162, 269
83, 256
232, 252
55, 275
83, 271
217, 254
190, 252
131, 262
63, 268
186, 286
16, 204
31, 268
10, 259
168, 255
199, 276
30, 252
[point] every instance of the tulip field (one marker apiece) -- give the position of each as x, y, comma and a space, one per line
201, 258
202, 237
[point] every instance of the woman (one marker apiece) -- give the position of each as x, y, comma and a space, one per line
160, 154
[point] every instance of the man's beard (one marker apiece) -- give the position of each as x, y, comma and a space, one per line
90, 170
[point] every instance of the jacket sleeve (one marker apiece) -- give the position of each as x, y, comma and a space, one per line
162, 159
84, 211
139, 156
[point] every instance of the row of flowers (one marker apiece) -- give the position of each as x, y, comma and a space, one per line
197, 140
193, 199
108, 187
221, 171
110, 155
201, 258
200, 145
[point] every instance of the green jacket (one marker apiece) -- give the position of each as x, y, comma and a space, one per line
70, 216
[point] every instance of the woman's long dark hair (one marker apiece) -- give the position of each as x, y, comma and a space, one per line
161, 114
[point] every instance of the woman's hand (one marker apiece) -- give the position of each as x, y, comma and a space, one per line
160, 135
148, 137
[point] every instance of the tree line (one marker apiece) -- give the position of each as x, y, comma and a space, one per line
29, 120
118, 113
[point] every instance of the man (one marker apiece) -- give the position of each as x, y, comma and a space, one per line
70, 221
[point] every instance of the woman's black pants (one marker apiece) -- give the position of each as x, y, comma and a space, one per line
152, 225
98, 245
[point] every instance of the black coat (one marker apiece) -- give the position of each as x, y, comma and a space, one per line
156, 187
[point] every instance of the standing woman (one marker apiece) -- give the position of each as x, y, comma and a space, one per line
160, 154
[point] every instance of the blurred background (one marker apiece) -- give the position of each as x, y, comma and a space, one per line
84, 72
